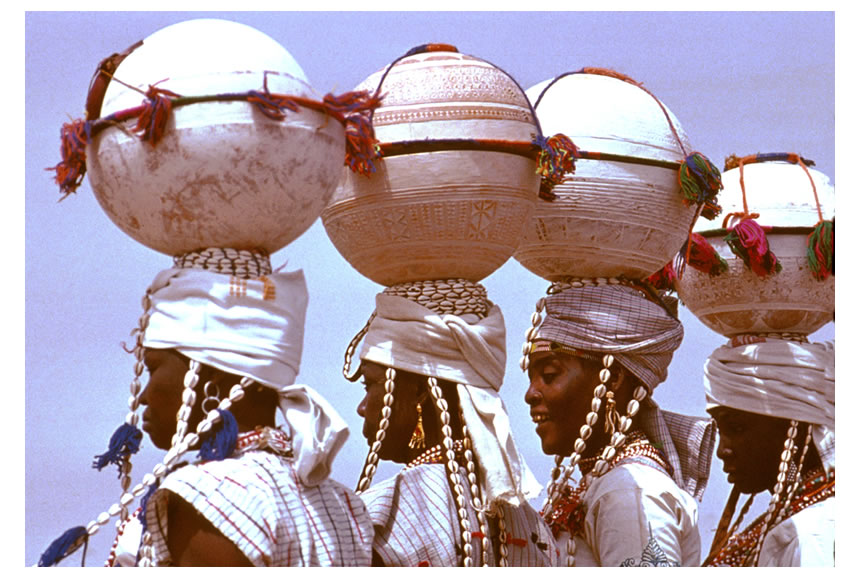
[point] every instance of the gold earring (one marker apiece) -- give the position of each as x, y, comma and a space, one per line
417, 440
612, 416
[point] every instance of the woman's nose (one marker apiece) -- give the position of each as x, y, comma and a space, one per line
362, 406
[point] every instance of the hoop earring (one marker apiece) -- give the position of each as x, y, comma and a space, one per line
417, 440
213, 398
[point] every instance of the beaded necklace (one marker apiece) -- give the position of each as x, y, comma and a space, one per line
569, 511
436, 454
815, 488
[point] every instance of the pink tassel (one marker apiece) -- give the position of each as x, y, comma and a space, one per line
748, 241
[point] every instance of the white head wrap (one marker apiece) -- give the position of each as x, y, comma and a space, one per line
470, 353
779, 378
252, 328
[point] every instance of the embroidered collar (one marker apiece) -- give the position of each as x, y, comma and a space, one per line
265, 439
814, 488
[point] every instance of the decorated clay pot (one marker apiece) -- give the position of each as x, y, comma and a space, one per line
223, 174
790, 301
457, 179
622, 215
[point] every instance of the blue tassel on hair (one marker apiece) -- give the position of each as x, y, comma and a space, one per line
63, 546
124, 442
221, 443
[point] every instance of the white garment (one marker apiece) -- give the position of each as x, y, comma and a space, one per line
625, 509
257, 501
415, 519
470, 353
804, 539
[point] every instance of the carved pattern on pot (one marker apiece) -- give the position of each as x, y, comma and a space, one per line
740, 302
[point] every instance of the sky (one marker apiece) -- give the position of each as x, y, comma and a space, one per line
739, 82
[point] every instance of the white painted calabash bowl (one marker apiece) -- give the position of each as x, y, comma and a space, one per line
791, 301
622, 216
457, 179
223, 174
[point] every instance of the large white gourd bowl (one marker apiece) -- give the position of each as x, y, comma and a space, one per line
438, 214
788, 302
224, 174
609, 218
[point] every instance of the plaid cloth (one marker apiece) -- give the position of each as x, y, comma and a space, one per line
688, 443
614, 320
257, 501
415, 517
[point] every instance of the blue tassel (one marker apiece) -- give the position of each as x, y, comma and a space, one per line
221, 443
124, 442
63, 546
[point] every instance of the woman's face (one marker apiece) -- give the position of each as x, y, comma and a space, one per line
750, 447
162, 395
561, 387
404, 414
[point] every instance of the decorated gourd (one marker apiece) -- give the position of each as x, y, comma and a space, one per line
769, 269
207, 133
637, 185
456, 180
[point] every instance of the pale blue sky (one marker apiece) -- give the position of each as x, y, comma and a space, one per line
738, 82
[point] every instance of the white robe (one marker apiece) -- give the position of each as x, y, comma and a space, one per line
804, 539
626, 509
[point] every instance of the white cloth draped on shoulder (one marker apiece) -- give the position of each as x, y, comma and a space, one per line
471, 353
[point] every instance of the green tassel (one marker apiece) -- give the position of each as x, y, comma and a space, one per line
820, 250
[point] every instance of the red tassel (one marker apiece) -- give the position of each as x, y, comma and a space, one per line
664, 278
357, 108
702, 256
70, 172
748, 241
154, 115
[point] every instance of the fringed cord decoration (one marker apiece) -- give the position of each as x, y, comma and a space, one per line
125, 441
665, 278
69, 173
820, 251
221, 443
700, 183
748, 241
154, 114
361, 144
64, 546
557, 158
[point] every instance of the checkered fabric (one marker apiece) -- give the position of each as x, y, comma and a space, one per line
257, 501
615, 320
415, 517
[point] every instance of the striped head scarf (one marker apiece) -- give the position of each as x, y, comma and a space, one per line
642, 336
616, 320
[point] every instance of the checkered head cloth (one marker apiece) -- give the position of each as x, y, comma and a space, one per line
616, 320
